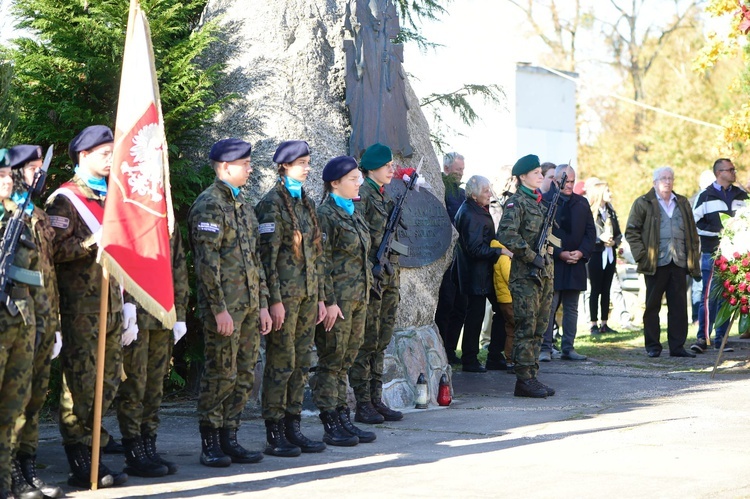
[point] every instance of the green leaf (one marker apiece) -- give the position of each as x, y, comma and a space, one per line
744, 324
725, 313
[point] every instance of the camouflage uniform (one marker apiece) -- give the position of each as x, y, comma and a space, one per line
223, 235
46, 312
16, 354
146, 360
518, 231
347, 281
296, 283
366, 374
79, 279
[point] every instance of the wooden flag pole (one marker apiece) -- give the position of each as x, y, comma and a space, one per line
721, 349
100, 352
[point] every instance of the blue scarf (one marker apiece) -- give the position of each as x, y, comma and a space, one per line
345, 204
19, 198
235, 190
293, 186
98, 185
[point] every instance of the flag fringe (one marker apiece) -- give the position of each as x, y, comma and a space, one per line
166, 317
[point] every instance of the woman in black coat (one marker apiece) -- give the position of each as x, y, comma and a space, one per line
473, 270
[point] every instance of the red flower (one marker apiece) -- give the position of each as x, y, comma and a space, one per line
725, 295
734, 269
747, 276
737, 255
743, 299
733, 301
742, 287
727, 283
723, 267
731, 288
744, 309
745, 262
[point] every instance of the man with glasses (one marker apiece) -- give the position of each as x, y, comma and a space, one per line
664, 241
719, 197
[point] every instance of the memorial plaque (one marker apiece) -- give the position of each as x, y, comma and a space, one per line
428, 227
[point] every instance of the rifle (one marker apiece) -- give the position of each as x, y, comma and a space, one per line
14, 233
388, 245
546, 231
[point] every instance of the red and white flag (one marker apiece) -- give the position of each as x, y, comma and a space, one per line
138, 217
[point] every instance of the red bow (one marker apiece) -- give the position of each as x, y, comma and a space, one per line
538, 196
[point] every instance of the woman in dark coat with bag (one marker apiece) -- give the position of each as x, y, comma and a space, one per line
473, 271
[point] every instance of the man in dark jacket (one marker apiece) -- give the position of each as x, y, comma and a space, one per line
719, 197
577, 233
664, 241
451, 307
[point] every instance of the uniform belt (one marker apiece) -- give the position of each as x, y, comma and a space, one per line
19, 293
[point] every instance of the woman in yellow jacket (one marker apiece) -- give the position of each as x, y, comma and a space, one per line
504, 299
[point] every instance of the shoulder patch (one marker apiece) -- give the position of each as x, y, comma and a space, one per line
208, 227
267, 228
509, 205
59, 222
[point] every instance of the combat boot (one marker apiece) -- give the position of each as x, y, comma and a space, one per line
294, 435
385, 411
528, 388
232, 448
28, 468
364, 437
550, 391
149, 445
118, 478
334, 432
278, 445
212, 455
20, 488
137, 462
367, 414
79, 459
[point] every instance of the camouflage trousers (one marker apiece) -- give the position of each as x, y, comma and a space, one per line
531, 306
229, 369
16, 357
145, 362
337, 350
288, 359
78, 362
366, 374
28, 438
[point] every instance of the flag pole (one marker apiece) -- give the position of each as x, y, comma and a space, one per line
100, 352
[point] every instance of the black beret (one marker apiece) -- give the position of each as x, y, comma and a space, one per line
229, 150
89, 138
289, 150
21, 154
375, 156
338, 167
526, 164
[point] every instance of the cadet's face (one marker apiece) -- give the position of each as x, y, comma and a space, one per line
97, 160
6, 183
348, 186
383, 175
298, 169
30, 169
533, 179
236, 172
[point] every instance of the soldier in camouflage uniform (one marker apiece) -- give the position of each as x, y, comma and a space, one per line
290, 247
347, 281
232, 301
366, 374
16, 345
519, 230
26, 160
75, 213
146, 362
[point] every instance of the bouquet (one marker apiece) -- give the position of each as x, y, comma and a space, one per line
733, 270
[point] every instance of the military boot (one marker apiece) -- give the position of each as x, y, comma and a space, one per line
149, 445
212, 455
346, 423
367, 414
385, 411
232, 448
294, 435
278, 445
79, 459
528, 388
20, 488
137, 461
335, 434
28, 468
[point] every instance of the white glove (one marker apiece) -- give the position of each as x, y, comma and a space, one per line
129, 324
57, 346
179, 330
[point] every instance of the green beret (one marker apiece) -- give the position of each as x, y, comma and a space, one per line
526, 164
376, 156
